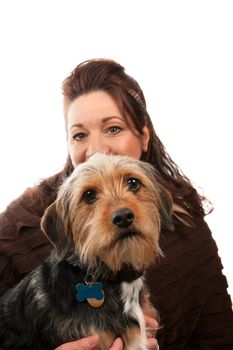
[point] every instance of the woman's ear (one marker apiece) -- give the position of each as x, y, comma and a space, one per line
145, 138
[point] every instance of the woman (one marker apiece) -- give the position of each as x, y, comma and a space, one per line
105, 111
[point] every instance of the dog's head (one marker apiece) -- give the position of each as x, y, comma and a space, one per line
110, 209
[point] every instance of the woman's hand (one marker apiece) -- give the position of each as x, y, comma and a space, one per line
151, 329
90, 343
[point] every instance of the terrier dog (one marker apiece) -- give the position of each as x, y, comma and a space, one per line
104, 226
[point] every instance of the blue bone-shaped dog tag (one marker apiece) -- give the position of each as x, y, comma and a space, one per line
93, 293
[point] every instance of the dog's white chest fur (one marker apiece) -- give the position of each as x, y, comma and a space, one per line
130, 297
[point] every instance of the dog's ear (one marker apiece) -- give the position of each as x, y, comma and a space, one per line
51, 225
166, 209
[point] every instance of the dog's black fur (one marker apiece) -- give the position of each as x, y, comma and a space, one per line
43, 305
42, 311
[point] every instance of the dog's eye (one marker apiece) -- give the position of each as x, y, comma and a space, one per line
89, 196
133, 184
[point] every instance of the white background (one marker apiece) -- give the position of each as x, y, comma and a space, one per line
181, 53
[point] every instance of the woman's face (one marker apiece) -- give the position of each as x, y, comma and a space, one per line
95, 124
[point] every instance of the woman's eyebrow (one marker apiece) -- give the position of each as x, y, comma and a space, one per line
79, 125
104, 120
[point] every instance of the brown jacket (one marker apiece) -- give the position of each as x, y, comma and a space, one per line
187, 285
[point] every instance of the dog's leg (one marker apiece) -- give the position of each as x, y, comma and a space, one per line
106, 340
134, 339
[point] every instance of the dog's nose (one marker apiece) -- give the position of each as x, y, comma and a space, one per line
122, 217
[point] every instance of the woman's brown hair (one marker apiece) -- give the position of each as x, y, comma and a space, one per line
110, 76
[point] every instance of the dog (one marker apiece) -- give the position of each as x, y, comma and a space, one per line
104, 226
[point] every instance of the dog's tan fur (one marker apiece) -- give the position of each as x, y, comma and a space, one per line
93, 233
90, 228
105, 226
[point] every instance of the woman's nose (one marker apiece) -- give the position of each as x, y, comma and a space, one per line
97, 146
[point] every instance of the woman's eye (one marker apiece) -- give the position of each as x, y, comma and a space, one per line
89, 196
79, 136
114, 130
133, 184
